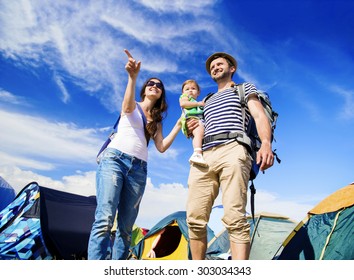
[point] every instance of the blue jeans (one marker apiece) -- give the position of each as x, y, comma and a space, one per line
120, 185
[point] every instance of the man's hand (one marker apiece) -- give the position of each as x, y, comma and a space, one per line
265, 156
191, 124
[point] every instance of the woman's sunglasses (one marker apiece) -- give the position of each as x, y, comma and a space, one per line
152, 83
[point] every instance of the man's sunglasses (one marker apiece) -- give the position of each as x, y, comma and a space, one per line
152, 83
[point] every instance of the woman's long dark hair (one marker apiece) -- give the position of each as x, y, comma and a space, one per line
159, 111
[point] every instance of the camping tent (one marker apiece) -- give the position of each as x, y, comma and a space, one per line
268, 234
66, 221
43, 223
168, 239
20, 230
327, 233
268, 231
7, 193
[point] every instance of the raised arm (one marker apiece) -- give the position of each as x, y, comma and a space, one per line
265, 155
162, 144
185, 103
133, 68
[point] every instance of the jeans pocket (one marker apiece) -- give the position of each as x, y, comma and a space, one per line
110, 154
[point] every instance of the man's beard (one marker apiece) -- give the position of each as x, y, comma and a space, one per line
220, 77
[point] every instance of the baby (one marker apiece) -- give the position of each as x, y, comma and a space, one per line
193, 109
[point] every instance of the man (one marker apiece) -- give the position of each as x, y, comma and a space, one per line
229, 162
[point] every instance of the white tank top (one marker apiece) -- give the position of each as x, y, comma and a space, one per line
130, 137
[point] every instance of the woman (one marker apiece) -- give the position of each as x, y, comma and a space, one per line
122, 170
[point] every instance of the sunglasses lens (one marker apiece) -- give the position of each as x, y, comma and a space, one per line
152, 83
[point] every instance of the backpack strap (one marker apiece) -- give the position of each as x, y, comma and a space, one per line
253, 192
208, 96
114, 128
241, 93
109, 139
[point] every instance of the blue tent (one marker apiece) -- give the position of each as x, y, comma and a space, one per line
43, 223
7, 193
20, 228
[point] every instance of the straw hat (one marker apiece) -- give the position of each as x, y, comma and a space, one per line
217, 55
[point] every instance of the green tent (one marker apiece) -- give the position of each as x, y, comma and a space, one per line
327, 233
268, 231
268, 234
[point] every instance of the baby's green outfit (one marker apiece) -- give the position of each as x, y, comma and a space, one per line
195, 112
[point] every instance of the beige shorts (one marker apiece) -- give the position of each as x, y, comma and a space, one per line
228, 170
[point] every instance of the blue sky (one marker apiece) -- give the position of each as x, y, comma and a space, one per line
62, 79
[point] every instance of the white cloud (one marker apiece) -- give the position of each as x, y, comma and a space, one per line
179, 6
82, 183
65, 94
11, 160
270, 202
86, 39
8, 97
160, 202
17, 19
347, 111
28, 140
171, 153
19, 178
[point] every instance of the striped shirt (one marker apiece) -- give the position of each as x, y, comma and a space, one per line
223, 113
